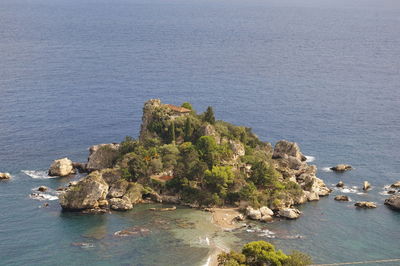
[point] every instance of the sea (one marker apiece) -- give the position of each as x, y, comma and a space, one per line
322, 73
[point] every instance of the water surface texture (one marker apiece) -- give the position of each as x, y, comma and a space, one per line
74, 73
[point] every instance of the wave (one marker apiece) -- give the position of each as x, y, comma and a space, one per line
327, 169
310, 159
267, 233
42, 196
36, 174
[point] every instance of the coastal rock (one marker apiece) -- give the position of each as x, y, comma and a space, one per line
134, 192
393, 202
118, 189
5, 176
42, 189
237, 149
366, 185
170, 199
111, 175
320, 188
312, 196
120, 204
102, 156
365, 204
266, 218
253, 214
85, 194
289, 213
265, 211
341, 168
340, 184
342, 198
81, 167
395, 185
61, 167
284, 147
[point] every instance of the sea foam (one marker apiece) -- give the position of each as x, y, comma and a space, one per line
37, 174
310, 159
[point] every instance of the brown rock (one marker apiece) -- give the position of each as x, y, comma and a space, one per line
365, 204
342, 198
341, 168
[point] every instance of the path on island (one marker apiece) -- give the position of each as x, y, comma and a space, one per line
358, 262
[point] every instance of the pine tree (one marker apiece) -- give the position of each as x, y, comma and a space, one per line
209, 116
188, 130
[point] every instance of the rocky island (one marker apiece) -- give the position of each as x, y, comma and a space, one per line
182, 157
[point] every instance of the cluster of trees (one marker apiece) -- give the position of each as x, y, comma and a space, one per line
260, 253
203, 170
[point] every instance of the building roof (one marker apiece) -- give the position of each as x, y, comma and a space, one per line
178, 109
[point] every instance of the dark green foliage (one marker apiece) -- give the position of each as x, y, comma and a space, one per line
128, 145
188, 130
260, 253
187, 106
264, 175
218, 179
209, 116
208, 150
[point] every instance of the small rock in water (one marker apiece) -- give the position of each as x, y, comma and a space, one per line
42, 189
340, 184
395, 185
61, 167
365, 204
5, 176
393, 202
341, 168
366, 185
342, 198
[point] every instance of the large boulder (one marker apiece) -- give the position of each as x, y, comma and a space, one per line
341, 168
85, 194
289, 213
134, 192
253, 214
118, 189
61, 167
120, 204
266, 211
5, 176
102, 156
365, 204
393, 202
284, 147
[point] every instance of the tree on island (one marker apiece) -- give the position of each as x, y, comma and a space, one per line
260, 253
209, 116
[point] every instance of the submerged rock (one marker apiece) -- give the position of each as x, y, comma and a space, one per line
342, 198
341, 168
5, 176
289, 213
365, 204
102, 156
85, 194
393, 202
61, 167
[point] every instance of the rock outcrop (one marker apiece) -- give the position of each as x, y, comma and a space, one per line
263, 214
393, 202
61, 167
85, 194
289, 213
5, 176
342, 198
285, 148
341, 168
365, 204
102, 156
120, 204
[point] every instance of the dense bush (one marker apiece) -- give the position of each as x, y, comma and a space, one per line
259, 253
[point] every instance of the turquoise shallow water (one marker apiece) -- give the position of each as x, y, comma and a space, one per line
76, 73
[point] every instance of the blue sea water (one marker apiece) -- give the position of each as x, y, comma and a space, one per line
324, 73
